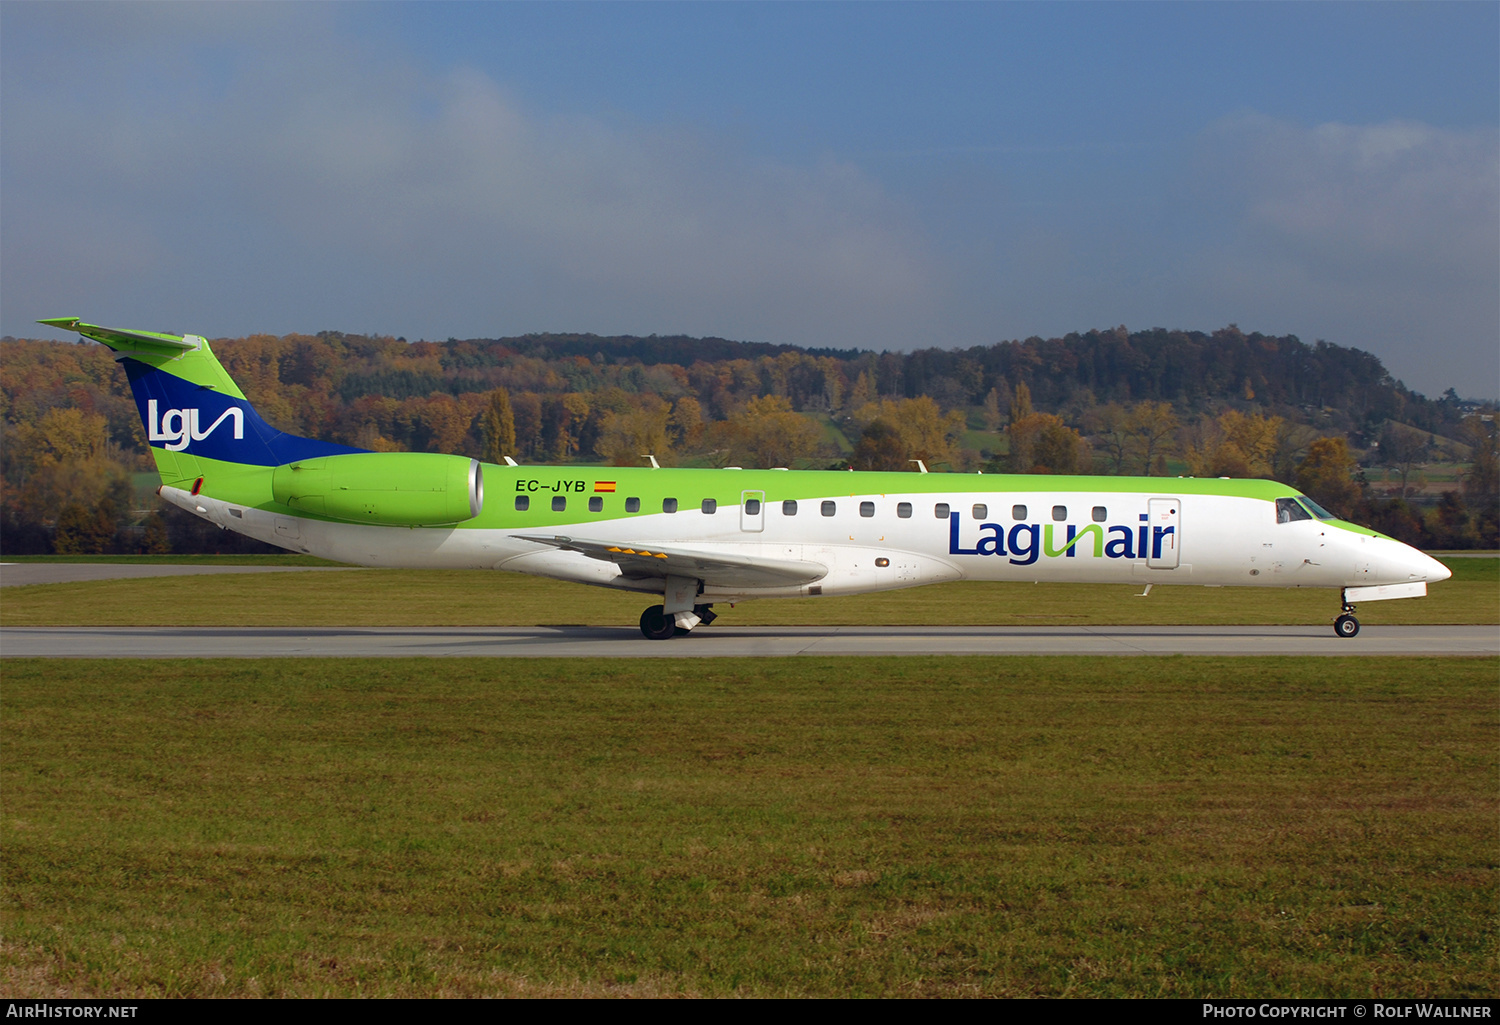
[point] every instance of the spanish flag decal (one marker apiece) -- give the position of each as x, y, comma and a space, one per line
604, 485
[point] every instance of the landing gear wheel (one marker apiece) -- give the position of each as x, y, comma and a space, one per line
1346, 626
657, 625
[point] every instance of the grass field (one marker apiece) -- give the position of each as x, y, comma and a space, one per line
931, 826
477, 598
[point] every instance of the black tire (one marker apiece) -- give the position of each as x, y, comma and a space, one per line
1346, 626
655, 624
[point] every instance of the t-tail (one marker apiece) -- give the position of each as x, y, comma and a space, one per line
208, 440
194, 414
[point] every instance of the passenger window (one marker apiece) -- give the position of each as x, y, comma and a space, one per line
1100, 514
829, 508
941, 510
710, 506
980, 511
789, 508
1289, 511
1059, 512
752, 507
669, 505
522, 503
1018, 512
559, 504
632, 505
867, 509
596, 504
903, 510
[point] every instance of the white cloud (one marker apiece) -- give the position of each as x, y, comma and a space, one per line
1385, 237
1416, 199
341, 183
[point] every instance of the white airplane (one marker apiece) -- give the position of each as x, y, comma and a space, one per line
700, 537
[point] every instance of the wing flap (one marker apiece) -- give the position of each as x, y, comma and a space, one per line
717, 568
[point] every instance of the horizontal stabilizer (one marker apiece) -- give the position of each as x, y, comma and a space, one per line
715, 568
116, 338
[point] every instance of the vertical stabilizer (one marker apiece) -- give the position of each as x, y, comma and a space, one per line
193, 412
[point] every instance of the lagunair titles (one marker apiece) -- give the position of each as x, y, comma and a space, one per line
693, 538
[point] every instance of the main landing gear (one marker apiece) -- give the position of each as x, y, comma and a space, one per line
1346, 625
656, 625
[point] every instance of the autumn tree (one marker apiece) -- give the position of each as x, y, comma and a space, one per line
926, 432
687, 424
526, 409
771, 433
66, 461
83, 531
1292, 440
1059, 448
436, 424
1152, 426
863, 391
994, 414
1482, 481
1234, 444
154, 539
1327, 476
1023, 430
625, 437
880, 448
1110, 425
498, 425
1401, 449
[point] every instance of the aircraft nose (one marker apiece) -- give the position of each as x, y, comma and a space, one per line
1418, 565
1436, 570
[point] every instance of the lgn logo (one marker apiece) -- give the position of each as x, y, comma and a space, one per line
177, 427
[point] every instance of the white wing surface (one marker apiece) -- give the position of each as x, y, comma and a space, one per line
714, 568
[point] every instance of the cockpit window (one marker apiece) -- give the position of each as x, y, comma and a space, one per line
1288, 511
1316, 509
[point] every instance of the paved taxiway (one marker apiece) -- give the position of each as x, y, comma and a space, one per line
20, 574
730, 641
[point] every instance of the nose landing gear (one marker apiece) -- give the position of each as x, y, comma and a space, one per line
1346, 625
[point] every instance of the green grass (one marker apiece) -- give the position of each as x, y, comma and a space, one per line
477, 598
926, 827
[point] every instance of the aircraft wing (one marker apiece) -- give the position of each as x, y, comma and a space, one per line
718, 568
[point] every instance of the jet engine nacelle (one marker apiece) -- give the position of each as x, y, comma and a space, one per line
402, 489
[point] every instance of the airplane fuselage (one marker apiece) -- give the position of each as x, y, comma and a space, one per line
867, 531
696, 537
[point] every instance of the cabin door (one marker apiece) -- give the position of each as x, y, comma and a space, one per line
1165, 536
753, 511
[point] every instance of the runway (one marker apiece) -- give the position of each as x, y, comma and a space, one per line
734, 642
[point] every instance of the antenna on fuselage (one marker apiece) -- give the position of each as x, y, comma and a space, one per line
654, 464
920, 465
509, 461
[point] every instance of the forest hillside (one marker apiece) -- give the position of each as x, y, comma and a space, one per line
75, 471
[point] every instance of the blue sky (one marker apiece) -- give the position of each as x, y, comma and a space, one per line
872, 175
